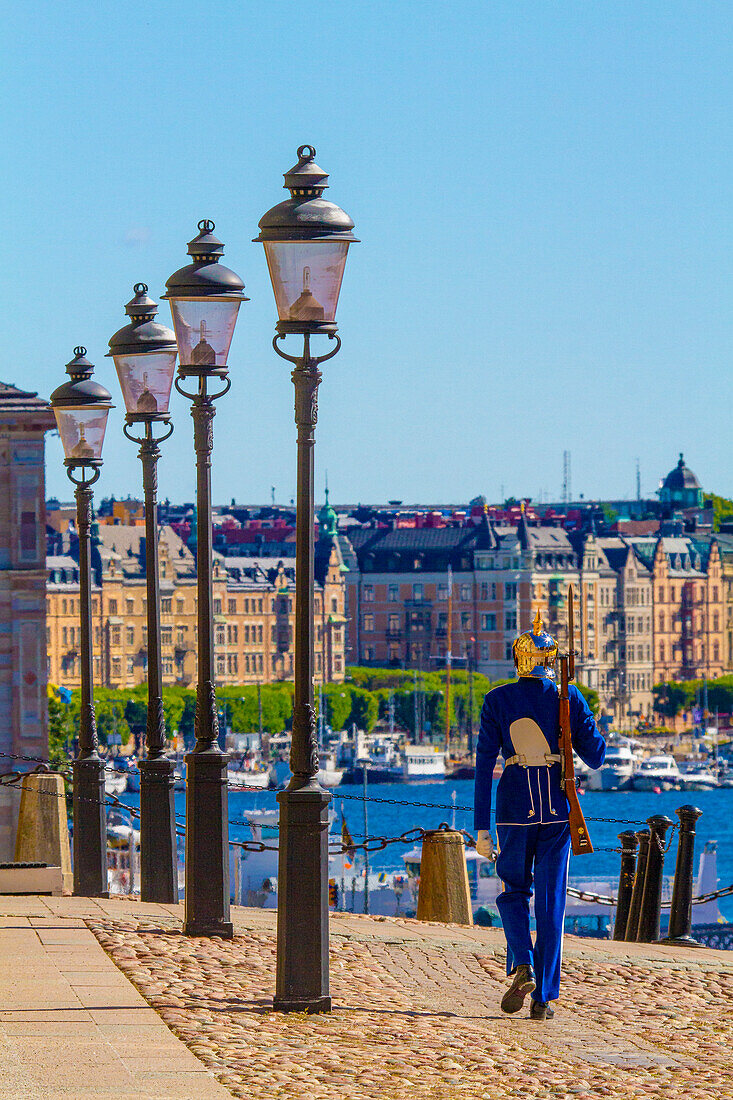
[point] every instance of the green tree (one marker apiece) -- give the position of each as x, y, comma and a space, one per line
722, 509
337, 705
591, 697
364, 708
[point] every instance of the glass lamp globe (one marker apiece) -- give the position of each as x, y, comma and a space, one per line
306, 240
81, 407
144, 354
205, 298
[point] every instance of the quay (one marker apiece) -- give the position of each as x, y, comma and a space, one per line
107, 998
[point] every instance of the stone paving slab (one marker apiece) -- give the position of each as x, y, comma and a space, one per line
66, 1013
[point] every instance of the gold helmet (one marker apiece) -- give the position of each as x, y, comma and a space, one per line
535, 652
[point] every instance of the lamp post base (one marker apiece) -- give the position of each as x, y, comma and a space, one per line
322, 1004
680, 941
302, 901
90, 829
207, 845
158, 856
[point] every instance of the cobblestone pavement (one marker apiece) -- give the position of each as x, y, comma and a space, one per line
416, 1012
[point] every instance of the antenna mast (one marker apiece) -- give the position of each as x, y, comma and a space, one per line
567, 485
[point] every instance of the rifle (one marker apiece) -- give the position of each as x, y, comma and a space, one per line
578, 829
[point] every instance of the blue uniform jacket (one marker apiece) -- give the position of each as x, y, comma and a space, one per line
529, 795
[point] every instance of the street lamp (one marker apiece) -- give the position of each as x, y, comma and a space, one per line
205, 298
306, 240
81, 407
144, 353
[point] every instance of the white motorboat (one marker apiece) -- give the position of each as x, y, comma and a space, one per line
423, 762
243, 778
329, 775
697, 776
657, 773
616, 772
115, 782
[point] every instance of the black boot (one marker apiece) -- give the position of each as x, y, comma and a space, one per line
540, 1010
522, 984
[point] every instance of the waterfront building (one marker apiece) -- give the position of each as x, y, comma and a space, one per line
253, 612
689, 615
626, 683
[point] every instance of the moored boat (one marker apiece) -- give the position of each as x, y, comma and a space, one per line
657, 773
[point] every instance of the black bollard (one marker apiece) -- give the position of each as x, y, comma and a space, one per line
629, 847
680, 916
632, 924
651, 901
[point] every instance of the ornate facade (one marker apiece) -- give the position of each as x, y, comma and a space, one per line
253, 612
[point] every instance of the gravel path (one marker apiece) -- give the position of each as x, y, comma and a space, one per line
416, 1013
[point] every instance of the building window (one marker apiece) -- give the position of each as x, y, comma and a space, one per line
484, 651
232, 607
166, 635
465, 620
116, 635
217, 607
131, 635
394, 623
232, 634
369, 622
113, 607
181, 635
417, 591
369, 653
166, 605
394, 593
221, 665
219, 635
167, 664
465, 592
368, 593
334, 605
130, 607
442, 591
510, 620
259, 631
179, 606
130, 666
337, 663
488, 622
116, 668
508, 651
510, 591
232, 664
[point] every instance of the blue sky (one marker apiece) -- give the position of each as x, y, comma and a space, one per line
542, 192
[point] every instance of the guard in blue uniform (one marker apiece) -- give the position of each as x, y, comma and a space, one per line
521, 721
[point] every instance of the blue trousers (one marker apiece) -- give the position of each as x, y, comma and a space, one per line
536, 854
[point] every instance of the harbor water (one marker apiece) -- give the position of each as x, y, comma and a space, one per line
385, 819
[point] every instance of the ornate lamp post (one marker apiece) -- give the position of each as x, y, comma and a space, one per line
306, 241
81, 407
205, 298
145, 352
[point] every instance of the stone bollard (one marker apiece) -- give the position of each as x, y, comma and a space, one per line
651, 901
444, 893
680, 915
43, 829
632, 924
629, 847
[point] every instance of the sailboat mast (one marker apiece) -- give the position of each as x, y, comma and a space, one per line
448, 659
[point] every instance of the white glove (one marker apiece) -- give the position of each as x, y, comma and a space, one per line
484, 843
